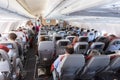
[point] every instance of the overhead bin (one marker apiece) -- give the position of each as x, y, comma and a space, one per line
3, 3
15, 7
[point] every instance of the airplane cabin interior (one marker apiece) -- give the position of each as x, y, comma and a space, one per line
59, 39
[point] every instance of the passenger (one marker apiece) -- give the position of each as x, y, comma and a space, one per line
19, 29
96, 34
114, 47
37, 25
31, 33
82, 32
56, 65
12, 38
75, 40
86, 33
14, 55
111, 37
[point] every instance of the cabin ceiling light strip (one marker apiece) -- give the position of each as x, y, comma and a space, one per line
84, 4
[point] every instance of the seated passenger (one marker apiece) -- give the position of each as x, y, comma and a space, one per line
111, 37
114, 47
56, 65
14, 54
86, 33
12, 38
75, 40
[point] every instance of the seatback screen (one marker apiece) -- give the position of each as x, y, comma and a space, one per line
82, 47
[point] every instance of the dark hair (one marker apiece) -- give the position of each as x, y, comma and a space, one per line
42, 38
69, 49
12, 36
112, 35
88, 30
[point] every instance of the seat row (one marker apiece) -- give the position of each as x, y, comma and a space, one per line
74, 67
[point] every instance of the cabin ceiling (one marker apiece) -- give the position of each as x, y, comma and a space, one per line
70, 8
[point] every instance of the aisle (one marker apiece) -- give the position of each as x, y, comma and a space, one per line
30, 65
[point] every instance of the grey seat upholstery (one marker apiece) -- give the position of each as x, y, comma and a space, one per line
60, 46
56, 38
46, 51
69, 66
62, 33
94, 65
81, 47
104, 40
47, 38
83, 39
5, 67
70, 38
12, 46
42, 32
114, 65
98, 46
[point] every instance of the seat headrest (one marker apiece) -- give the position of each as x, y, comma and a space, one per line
81, 45
63, 42
83, 39
70, 38
97, 45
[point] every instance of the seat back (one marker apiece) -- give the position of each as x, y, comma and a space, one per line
4, 66
98, 46
51, 33
104, 40
83, 39
81, 47
12, 46
42, 32
60, 46
62, 33
56, 38
2, 77
70, 65
114, 45
94, 65
114, 64
70, 38
4, 55
47, 38
46, 51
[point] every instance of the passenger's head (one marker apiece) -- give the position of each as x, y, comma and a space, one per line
92, 29
111, 37
69, 49
88, 30
42, 38
12, 36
